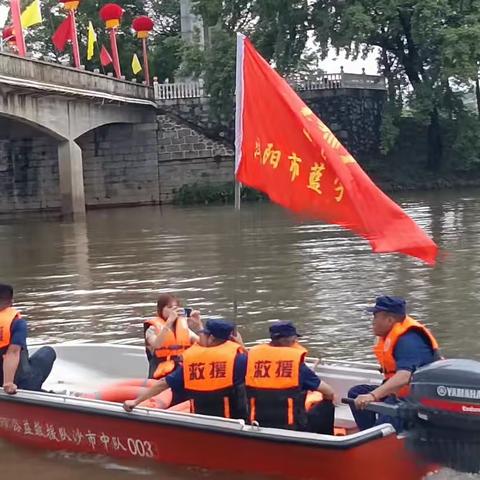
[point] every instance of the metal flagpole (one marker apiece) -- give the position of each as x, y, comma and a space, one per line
238, 147
17, 25
238, 195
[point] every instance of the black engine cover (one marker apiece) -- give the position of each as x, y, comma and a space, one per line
444, 419
455, 380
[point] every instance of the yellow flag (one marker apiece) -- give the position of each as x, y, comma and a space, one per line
92, 38
136, 67
32, 15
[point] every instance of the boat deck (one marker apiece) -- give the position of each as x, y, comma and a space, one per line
86, 368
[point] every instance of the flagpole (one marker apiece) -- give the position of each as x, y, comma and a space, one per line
146, 70
114, 48
238, 116
17, 25
76, 50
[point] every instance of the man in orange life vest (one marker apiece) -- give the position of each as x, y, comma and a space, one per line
403, 346
16, 369
277, 382
212, 375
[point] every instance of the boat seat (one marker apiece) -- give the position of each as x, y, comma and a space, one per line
344, 421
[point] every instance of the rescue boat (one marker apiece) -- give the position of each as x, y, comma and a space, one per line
74, 420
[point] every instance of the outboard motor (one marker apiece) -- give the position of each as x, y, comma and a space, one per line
442, 414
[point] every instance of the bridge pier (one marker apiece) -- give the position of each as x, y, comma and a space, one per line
70, 168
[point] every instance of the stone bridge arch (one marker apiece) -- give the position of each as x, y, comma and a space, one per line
65, 119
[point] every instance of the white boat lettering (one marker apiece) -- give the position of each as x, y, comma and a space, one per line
77, 437
16, 427
91, 439
27, 429
470, 409
38, 430
64, 436
51, 433
140, 448
105, 441
98, 442
470, 393
118, 445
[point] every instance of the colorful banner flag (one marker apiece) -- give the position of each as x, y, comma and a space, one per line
286, 151
92, 38
32, 15
136, 66
105, 57
63, 34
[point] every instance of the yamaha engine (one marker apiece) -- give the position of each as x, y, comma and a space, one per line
442, 414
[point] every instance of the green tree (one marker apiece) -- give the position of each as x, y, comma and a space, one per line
279, 29
414, 38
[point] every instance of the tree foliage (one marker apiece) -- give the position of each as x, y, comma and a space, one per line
424, 45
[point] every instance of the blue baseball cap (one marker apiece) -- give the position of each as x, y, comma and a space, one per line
395, 305
219, 329
283, 329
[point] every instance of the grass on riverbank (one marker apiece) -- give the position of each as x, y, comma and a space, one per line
206, 194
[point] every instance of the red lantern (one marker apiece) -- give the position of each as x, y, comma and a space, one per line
143, 26
70, 4
111, 14
8, 35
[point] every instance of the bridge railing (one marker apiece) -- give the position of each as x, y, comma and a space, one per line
63, 79
173, 91
328, 81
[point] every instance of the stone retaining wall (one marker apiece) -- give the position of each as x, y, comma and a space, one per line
186, 157
123, 164
28, 169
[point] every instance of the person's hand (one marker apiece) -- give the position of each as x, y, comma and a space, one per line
172, 318
362, 401
194, 321
236, 337
10, 388
129, 405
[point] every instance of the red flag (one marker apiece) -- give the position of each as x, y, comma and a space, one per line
286, 151
63, 34
105, 57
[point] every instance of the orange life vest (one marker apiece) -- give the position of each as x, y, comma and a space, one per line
300, 347
273, 386
385, 348
208, 374
174, 345
7, 317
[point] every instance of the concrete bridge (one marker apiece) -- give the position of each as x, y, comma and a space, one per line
67, 103
103, 141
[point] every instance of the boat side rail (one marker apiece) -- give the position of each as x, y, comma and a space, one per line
345, 363
66, 399
187, 420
